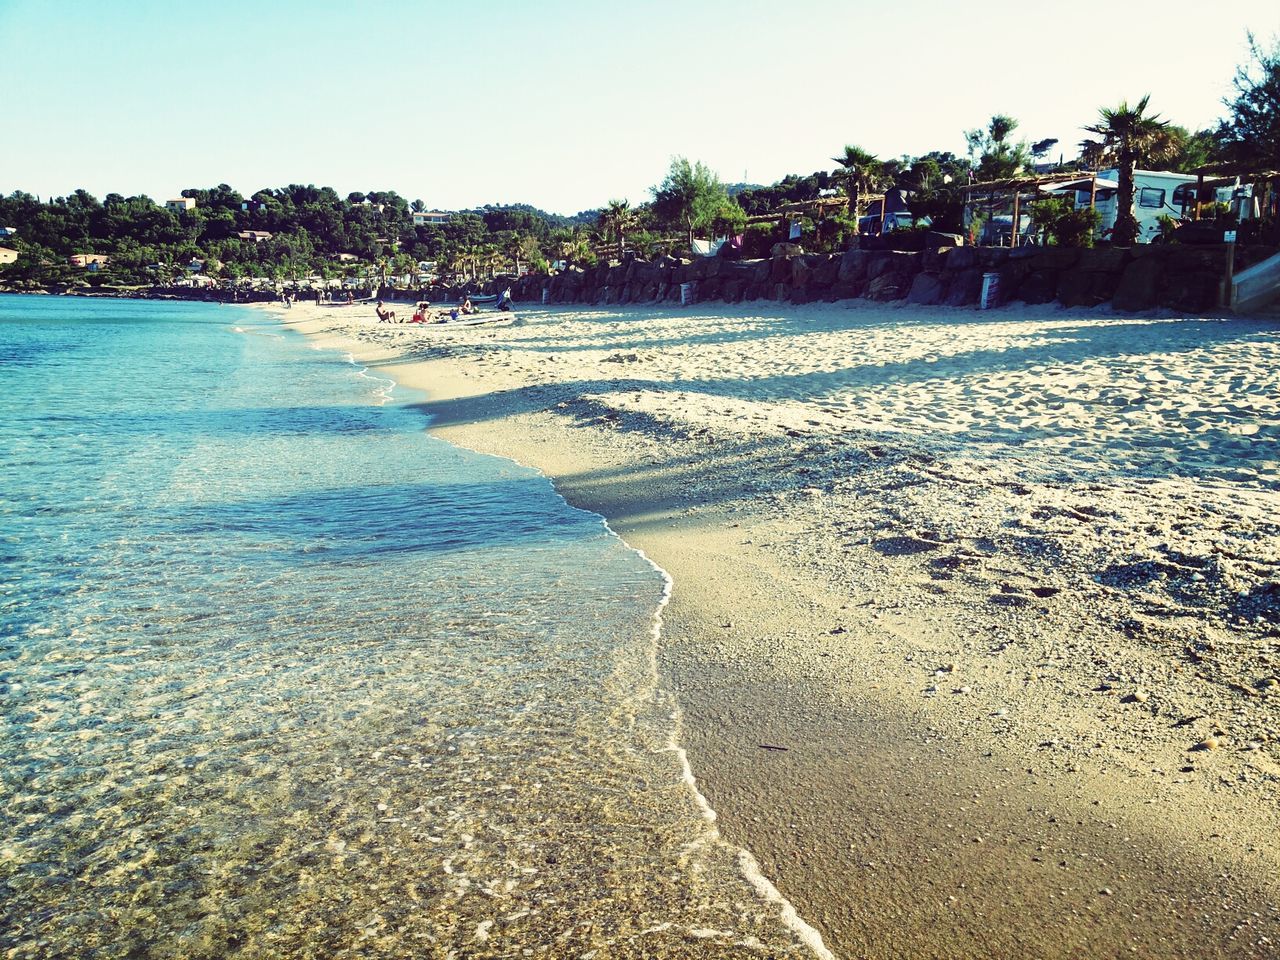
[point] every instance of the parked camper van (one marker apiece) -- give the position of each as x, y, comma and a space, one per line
1157, 194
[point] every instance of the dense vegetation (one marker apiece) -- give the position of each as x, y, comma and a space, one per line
315, 233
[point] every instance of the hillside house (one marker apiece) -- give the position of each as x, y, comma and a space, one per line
180, 205
7, 255
430, 217
90, 261
257, 236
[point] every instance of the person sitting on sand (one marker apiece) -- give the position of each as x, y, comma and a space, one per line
384, 316
420, 313
467, 307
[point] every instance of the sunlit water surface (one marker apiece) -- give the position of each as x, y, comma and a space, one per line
283, 676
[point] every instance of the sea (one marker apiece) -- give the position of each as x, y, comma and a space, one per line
284, 676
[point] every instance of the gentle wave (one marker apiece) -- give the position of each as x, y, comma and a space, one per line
280, 675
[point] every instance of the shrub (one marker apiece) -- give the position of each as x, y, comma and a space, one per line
1076, 228
1062, 224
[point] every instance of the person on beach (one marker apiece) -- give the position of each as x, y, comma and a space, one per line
467, 307
504, 301
384, 316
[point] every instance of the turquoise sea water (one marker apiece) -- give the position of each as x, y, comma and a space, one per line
283, 676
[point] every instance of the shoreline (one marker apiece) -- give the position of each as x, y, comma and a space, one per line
916, 809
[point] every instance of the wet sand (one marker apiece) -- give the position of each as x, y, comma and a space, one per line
975, 625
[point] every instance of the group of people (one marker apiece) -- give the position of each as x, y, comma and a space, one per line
421, 308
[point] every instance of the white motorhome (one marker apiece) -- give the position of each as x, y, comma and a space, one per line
1156, 194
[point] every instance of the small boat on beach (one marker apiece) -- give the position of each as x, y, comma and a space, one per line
348, 303
488, 320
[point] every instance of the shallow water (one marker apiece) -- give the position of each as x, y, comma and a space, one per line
283, 676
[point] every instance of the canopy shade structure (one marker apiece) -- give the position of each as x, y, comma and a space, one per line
1082, 184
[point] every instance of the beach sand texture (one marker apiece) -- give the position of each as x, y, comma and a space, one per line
976, 616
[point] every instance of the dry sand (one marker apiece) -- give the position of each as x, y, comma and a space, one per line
976, 620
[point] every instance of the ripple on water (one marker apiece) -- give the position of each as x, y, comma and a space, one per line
283, 677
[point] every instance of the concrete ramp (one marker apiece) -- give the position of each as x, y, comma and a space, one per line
1255, 288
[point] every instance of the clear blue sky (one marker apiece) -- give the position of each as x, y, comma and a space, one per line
566, 104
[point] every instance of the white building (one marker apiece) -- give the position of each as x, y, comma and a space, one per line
430, 216
180, 205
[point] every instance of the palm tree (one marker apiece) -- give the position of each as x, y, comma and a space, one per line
571, 244
1130, 136
615, 221
860, 172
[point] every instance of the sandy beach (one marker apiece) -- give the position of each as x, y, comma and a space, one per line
975, 626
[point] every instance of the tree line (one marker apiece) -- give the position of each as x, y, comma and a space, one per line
315, 232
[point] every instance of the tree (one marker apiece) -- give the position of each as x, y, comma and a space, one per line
615, 221
691, 196
1130, 136
1194, 150
571, 245
860, 172
993, 155
1251, 134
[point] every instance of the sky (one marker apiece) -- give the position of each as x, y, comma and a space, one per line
566, 104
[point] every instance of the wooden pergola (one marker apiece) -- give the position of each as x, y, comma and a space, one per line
1017, 186
1215, 175
799, 208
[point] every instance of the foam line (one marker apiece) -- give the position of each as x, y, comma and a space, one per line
747, 863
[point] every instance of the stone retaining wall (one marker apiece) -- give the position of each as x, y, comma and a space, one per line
1183, 278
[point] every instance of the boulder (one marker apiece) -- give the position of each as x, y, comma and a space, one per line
965, 258
780, 270
1190, 292
785, 249
1039, 286
889, 286
926, 288
1055, 258
1085, 288
853, 266
1139, 285
801, 271
826, 270
934, 259
1103, 259
963, 286
893, 262
1207, 259
933, 240
847, 289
